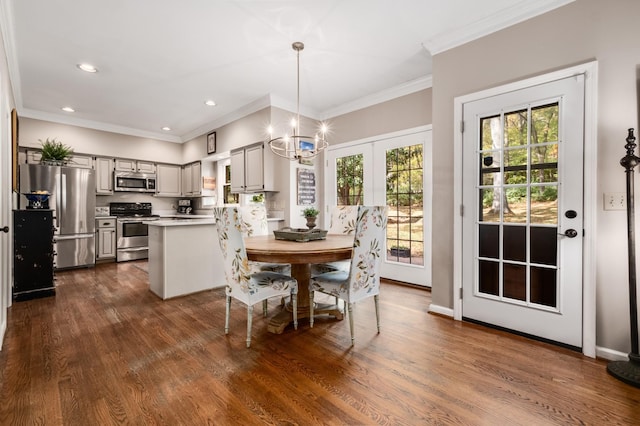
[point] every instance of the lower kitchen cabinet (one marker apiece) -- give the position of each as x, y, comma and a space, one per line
106, 241
33, 254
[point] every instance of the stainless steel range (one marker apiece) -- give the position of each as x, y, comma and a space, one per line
131, 233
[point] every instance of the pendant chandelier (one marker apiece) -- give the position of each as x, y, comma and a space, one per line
296, 146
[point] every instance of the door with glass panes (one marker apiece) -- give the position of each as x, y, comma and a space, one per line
391, 172
523, 210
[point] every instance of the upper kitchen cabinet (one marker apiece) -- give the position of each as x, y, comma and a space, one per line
168, 180
124, 165
80, 161
252, 169
104, 176
198, 179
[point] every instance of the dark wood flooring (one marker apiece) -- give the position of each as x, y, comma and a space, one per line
105, 350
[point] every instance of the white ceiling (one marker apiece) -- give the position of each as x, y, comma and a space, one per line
159, 60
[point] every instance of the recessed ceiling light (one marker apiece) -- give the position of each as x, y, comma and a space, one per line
210, 102
87, 68
166, 129
68, 109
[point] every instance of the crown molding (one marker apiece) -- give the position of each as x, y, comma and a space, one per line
288, 105
521, 11
96, 125
250, 108
379, 97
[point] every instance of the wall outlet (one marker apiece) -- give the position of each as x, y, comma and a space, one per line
615, 201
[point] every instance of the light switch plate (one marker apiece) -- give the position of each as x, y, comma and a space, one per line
615, 201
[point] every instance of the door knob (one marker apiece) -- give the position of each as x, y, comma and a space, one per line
571, 233
5, 229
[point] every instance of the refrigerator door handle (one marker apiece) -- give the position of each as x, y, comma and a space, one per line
63, 191
73, 237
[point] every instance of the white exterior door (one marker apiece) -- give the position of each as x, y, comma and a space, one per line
522, 225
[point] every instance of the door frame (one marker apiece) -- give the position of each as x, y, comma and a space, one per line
590, 70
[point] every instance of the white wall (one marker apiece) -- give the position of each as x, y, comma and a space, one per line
579, 32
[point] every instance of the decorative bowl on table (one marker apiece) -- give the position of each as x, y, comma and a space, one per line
300, 235
37, 199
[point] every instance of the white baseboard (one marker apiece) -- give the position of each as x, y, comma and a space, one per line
610, 354
436, 309
3, 329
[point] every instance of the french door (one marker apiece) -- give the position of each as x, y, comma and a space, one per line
390, 171
522, 227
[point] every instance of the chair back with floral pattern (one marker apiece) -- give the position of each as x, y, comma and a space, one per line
343, 219
368, 252
253, 218
236, 264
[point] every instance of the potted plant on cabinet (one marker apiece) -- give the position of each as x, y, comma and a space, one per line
55, 153
311, 214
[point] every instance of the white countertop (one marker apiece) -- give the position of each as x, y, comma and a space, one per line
190, 221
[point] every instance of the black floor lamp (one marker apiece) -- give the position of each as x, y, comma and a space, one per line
629, 371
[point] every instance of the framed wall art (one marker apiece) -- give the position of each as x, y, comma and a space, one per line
211, 143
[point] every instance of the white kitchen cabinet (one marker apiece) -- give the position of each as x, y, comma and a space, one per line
252, 169
193, 175
187, 180
106, 241
237, 171
168, 180
196, 178
104, 175
81, 161
126, 165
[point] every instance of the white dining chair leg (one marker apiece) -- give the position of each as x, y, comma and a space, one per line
249, 321
311, 308
377, 303
226, 316
264, 307
294, 303
350, 308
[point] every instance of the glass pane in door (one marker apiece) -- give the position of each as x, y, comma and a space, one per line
405, 234
518, 206
349, 180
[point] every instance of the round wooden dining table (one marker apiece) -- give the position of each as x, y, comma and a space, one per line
265, 248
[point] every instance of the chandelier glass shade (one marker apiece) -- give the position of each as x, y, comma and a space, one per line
295, 146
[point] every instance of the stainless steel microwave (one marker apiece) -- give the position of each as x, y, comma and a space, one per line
134, 182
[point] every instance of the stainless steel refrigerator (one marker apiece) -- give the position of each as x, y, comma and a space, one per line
73, 201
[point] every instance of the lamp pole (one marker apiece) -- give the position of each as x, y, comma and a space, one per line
629, 371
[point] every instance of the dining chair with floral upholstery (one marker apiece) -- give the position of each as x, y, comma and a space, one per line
253, 219
362, 280
243, 285
343, 222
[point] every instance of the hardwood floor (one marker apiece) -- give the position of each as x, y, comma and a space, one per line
105, 350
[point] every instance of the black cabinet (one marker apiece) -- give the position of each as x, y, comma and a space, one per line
33, 254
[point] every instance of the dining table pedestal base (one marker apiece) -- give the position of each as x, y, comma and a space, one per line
281, 320
302, 273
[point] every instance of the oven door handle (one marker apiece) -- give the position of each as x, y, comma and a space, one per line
133, 249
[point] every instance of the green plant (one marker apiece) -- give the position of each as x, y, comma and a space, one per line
258, 198
55, 150
310, 212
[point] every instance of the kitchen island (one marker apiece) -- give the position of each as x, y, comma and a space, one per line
184, 256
